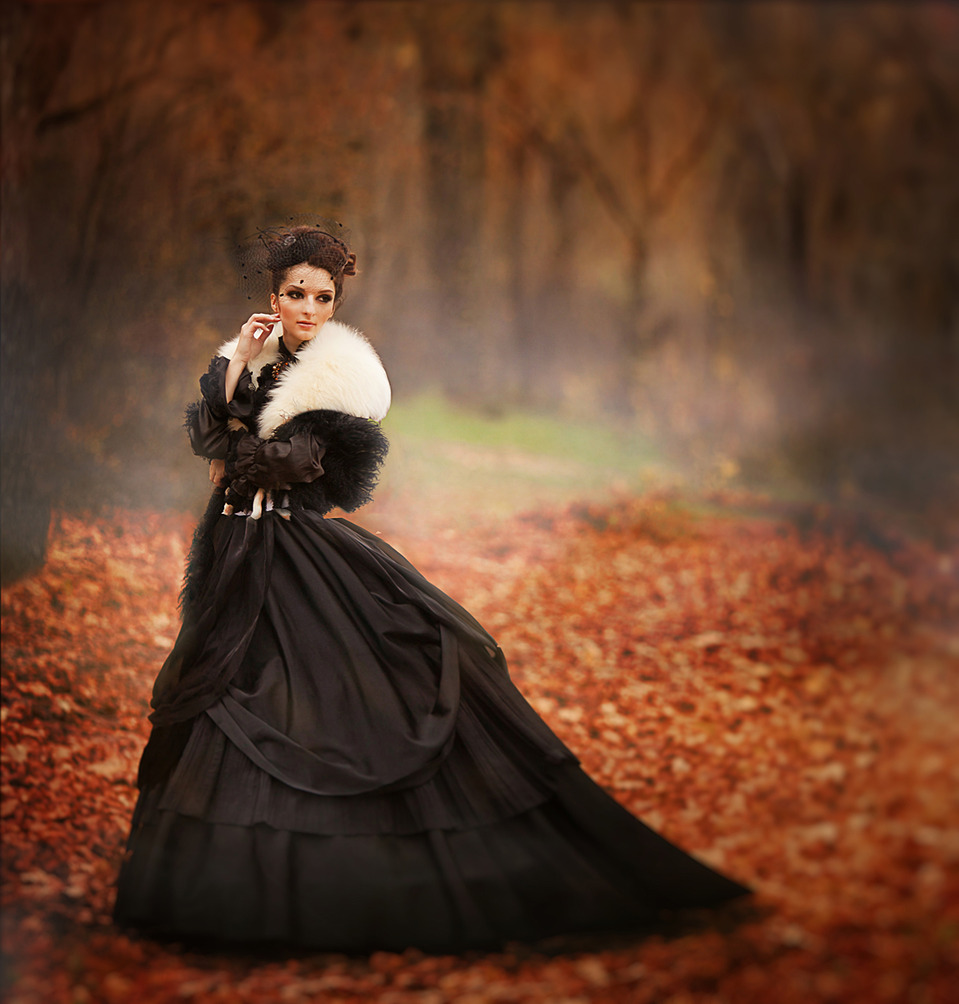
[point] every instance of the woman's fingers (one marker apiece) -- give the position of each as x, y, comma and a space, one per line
259, 319
259, 325
267, 319
254, 333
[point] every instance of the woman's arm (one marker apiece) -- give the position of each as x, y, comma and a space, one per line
207, 419
250, 344
324, 458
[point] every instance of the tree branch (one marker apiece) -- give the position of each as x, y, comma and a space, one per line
72, 113
574, 153
685, 161
64, 116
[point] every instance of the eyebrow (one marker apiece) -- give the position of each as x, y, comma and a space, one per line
320, 289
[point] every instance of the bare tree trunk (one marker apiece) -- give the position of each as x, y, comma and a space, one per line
517, 281
633, 324
26, 440
797, 234
457, 43
33, 56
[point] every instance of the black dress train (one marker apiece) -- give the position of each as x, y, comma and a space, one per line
339, 759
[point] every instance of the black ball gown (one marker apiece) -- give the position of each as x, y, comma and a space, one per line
339, 759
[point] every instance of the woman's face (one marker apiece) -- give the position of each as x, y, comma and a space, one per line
305, 303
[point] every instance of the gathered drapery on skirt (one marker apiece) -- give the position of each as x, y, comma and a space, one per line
354, 770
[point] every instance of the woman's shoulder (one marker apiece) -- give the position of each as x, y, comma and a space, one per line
338, 371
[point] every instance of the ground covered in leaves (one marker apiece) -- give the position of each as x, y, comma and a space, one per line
775, 692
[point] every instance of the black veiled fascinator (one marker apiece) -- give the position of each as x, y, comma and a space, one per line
322, 243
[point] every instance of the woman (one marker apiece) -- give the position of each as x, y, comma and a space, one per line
339, 759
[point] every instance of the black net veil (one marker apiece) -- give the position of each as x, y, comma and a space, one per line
318, 241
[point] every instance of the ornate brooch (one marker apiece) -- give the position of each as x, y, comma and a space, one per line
279, 366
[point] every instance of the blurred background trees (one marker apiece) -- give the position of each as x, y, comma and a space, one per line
730, 227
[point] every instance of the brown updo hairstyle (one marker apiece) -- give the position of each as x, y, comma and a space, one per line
308, 246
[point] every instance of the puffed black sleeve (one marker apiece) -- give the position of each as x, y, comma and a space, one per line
209, 435
207, 419
275, 464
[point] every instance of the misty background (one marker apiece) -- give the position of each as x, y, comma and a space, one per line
726, 229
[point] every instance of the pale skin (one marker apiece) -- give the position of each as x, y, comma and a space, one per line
304, 302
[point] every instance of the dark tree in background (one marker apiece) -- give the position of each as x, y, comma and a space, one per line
836, 176
728, 226
33, 318
458, 52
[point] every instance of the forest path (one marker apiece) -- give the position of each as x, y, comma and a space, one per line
774, 696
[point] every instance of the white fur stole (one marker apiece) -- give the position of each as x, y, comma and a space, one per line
337, 370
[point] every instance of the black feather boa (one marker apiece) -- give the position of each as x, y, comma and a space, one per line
355, 451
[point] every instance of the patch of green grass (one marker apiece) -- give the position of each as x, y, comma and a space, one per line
432, 416
450, 458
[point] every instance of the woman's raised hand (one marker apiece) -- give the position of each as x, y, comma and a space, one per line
248, 347
252, 336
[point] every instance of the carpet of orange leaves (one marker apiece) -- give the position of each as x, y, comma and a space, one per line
778, 696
